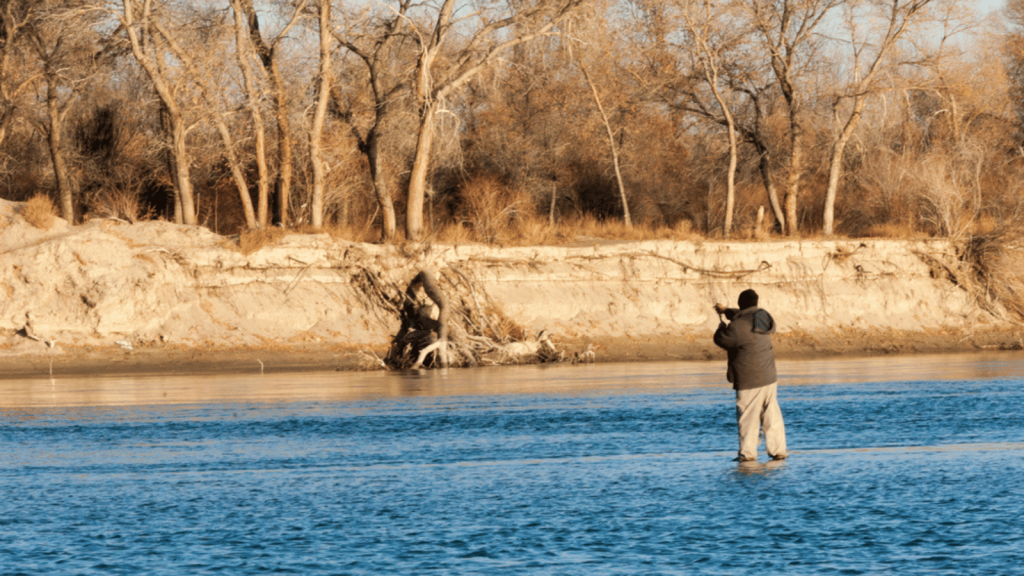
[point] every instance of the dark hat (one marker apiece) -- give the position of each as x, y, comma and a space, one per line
748, 298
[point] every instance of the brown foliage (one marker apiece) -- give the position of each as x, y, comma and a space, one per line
521, 156
253, 240
491, 209
39, 212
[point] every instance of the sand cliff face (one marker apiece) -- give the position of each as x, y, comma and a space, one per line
159, 284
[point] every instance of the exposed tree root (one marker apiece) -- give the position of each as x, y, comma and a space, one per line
453, 324
989, 267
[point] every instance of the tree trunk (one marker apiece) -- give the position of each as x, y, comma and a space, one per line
55, 141
380, 186
764, 165
418, 179
782, 69
183, 176
796, 160
5, 122
172, 168
175, 195
177, 124
284, 145
236, 171
835, 168
730, 190
554, 197
316, 216
611, 144
252, 96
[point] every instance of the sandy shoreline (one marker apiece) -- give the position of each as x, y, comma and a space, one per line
95, 361
156, 298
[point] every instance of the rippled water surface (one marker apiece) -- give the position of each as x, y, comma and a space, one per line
899, 465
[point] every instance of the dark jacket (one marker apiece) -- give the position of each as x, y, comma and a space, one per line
748, 341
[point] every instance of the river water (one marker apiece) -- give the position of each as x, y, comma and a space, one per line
910, 464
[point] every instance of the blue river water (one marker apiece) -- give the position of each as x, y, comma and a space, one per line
898, 465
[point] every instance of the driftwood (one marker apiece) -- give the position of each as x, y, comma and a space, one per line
421, 333
462, 328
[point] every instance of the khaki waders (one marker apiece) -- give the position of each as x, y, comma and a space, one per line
758, 408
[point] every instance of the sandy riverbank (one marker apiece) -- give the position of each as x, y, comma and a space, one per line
89, 361
154, 297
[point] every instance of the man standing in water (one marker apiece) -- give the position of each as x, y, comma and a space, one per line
748, 341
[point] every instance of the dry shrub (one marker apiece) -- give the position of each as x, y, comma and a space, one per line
950, 188
251, 241
454, 233
683, 230
123, 204
501, 328
39, 212
491, 209
367, 234
536, 232
996, 261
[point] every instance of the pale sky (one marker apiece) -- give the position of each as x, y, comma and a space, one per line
989, 5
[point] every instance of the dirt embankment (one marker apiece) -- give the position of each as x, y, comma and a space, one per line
110, 296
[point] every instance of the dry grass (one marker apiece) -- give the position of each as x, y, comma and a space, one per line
367, 234
981, 226
534, 231
40, 212
501, 328
455, 234
251, 241
984, 225
893, 230
526, 228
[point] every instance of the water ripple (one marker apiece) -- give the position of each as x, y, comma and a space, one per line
885, 476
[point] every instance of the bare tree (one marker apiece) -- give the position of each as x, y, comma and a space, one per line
15, 77
1013, 49
872, 55
211, 94
743, 94
62, 38
243, 50
755, 131
377, 48
267, 57
712, 30
611, 144
136, 17
325, 76
788, 32
437, 77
